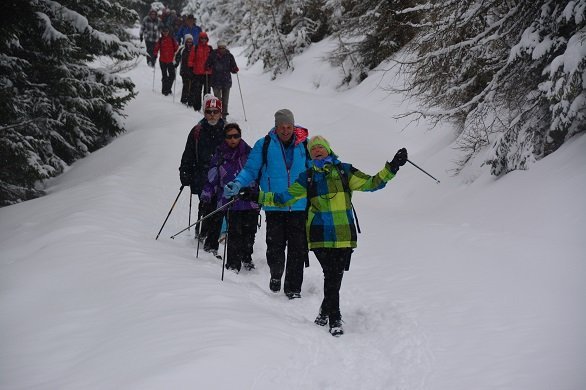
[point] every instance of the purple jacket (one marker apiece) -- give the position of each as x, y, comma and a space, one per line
226, 163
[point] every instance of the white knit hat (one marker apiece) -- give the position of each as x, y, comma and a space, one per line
187, 36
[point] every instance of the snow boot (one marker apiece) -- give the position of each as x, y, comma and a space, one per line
275, 285
321, 319
336, 328
293, 295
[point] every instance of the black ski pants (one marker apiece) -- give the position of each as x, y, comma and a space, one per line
333, 262
242, 225
199, 82
168, 71
209, 224
186, 90
213, 228
150, 48
286, 229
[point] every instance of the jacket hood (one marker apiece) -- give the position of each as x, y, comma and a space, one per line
301, 134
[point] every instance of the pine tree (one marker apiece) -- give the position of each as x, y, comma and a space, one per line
497, 69
369, 32
57, 104
271, 31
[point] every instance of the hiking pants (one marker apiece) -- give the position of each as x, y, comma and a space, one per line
209, 224
241, 232
168, 71
150, 48
213, 228
333, 262
198, 83
186, 90
287, 229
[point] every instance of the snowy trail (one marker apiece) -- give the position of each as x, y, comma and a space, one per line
110, 206
449, 289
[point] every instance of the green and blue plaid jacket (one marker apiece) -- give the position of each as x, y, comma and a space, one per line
330, 223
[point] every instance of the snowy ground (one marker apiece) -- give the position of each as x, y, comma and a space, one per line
474, 283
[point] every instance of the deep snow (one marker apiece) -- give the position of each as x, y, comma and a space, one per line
474, 283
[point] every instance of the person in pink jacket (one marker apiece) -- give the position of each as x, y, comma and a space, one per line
167, 45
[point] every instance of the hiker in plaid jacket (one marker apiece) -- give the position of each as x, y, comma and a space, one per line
331, 227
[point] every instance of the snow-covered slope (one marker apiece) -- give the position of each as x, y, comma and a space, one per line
474, 283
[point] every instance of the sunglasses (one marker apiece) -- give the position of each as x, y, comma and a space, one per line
212, 112
233, 136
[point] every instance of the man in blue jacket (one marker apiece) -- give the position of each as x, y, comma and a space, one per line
275, 162
189, 28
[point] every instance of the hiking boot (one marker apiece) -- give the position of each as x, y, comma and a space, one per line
233, 269
293, 295
249, 266
213, 252
275, 285
321, 319
336, 328
200, 237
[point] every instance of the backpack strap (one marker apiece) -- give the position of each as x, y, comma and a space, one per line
196, 131
265, 152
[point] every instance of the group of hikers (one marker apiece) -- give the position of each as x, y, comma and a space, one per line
304, 189
181, 43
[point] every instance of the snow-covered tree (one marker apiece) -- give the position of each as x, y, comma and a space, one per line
370, 31
509, 73
55, 104
272, 31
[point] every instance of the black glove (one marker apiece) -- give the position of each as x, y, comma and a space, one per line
248, 194
185, 179
141, 38
398, 161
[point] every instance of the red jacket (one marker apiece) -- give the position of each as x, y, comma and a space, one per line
168, 46
198, 57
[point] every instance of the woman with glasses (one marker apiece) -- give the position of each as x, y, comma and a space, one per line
226, 163
202, 141
330, 227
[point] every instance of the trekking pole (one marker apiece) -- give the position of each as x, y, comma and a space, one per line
197, 234
174, 80
172, 207
225, 242
189, 218
412, 163
207, 216
241, 99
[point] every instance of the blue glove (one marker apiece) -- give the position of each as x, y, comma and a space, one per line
231, 189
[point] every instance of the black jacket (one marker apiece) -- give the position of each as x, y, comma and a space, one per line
201, 144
